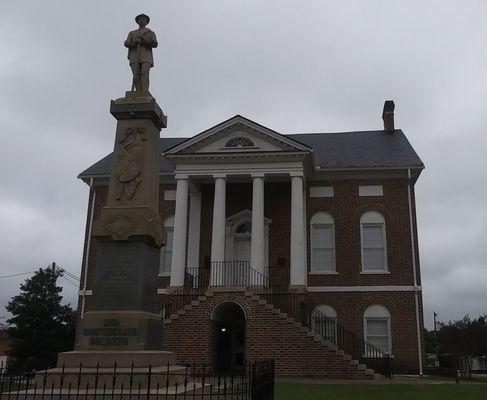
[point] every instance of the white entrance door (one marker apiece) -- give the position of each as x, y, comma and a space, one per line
241, 271
242, 252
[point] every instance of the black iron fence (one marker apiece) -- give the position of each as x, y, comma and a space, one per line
254, 382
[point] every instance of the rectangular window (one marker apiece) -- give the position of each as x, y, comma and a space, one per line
373, 247
166, 254
322, 251
378, 333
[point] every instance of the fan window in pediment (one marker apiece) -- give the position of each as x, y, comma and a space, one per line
246, 227
239, 141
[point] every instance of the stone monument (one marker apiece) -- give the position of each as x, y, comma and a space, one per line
122, 322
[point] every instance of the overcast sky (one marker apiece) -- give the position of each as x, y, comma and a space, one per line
294, 66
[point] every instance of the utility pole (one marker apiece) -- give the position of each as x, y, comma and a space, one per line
437, 361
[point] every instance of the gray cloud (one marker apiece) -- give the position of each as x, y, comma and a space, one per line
291, 65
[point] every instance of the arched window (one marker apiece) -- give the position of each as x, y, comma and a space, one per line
377, 328
324, 322
239, 141
166, 251
322, 232
373, 239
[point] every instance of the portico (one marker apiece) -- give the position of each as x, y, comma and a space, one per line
228, 245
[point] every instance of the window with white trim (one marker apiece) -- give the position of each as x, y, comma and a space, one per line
324, 322
373, 242
166, 251
322, 233
377, 328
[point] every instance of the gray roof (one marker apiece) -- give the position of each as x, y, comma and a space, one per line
363, 149
344, 150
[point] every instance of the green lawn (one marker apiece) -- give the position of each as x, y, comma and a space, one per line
298, 391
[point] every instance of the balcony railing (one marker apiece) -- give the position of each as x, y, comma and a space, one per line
236, 273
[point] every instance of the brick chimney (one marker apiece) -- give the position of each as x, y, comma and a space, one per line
388, 115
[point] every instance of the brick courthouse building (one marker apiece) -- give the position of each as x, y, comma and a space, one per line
297, 247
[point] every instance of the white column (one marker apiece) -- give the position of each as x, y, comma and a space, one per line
218, 229
257, 245
298, 271
194, 229
178, 263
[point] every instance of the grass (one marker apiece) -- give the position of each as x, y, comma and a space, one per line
299, 391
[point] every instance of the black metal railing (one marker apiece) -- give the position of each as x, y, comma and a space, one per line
352, 343
255, 382
273, 286
236, 273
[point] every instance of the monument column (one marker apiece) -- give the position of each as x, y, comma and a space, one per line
122, 325
129, 233
178, 264
298, 273
257, 244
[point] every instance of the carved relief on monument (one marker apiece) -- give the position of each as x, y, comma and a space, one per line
129, 163
157, 229
120, 228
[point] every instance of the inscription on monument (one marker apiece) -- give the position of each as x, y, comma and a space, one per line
124, 277
110, 334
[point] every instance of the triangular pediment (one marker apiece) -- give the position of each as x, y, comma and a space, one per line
237, 135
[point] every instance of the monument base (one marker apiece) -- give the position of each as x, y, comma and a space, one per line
112, 370
120, 331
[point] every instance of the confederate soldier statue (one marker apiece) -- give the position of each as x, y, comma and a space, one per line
140, 43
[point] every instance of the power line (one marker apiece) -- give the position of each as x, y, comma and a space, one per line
19, 274
72, 283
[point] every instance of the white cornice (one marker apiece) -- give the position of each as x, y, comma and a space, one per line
236, 156
392, 288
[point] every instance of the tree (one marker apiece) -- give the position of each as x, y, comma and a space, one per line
40, 326
466, 337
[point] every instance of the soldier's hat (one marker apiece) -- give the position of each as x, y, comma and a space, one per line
142, 16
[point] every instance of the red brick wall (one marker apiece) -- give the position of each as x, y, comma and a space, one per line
347, 207
350, 308
266, 336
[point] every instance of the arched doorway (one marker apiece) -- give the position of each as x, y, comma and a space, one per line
229, 324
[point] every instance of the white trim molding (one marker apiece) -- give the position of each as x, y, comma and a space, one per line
321, 191
325, 289
370, 190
